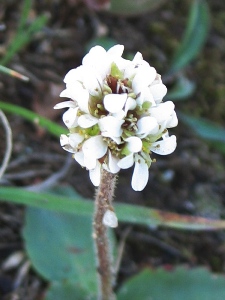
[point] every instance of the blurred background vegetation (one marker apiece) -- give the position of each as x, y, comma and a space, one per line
185, 42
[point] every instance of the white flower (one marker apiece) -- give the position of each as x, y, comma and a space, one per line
116, 116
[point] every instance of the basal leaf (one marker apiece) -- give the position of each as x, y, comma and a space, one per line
204, 128
60, 247
181, 283
194, 37
182, 89
67, 291
126, 213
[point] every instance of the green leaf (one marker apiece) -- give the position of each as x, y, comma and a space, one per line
24, 32
26, 7
60, 247
194, 37
182, 89
181, 283
36, 119
133, 7
126, 213
67, 291
204, 128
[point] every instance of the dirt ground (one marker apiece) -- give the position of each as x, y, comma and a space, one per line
190, 181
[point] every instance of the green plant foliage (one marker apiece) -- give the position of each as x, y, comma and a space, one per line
181, 283
60, 247
24, 33
126, 213
36, 119
67, 291
133, 7
204, 128
182, 89
194, 37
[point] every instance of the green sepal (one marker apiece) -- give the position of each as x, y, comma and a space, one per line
115, 71
92, 131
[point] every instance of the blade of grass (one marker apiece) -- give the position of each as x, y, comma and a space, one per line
13, 73
26, 6
28, 115
22, 38
126, 213
204, 128
194, 37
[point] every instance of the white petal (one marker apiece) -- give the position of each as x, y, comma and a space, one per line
75, 75
110, 126
162, 111
114, 102
86, 121
138, 57
134, 144
116, 50
164, 147
144, 77
110, 219
64, 141
126, 162
119, 115
94, 147
121, 63
140, 175
79, 157
173, 121
113, 163
65, 104
90, 162
158, 91
93, 82
78, 93
95, 174
92, 58
147, 125
130, 105
145, 96
70, 117
82, 101
75, 139
65, 93
97, 60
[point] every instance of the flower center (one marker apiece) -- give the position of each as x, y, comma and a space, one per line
118, 86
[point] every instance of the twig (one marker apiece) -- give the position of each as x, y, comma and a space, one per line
120, 250
8, 151
40, 157
26, 174
154, 241
53, 179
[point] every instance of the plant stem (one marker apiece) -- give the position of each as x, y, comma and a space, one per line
103, 201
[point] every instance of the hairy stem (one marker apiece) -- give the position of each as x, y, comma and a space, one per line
103, 201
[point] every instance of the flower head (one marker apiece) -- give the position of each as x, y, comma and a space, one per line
115, 115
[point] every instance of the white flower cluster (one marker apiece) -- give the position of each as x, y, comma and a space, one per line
115, 115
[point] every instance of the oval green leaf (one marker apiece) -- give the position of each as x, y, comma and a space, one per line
181, 283
60, 247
